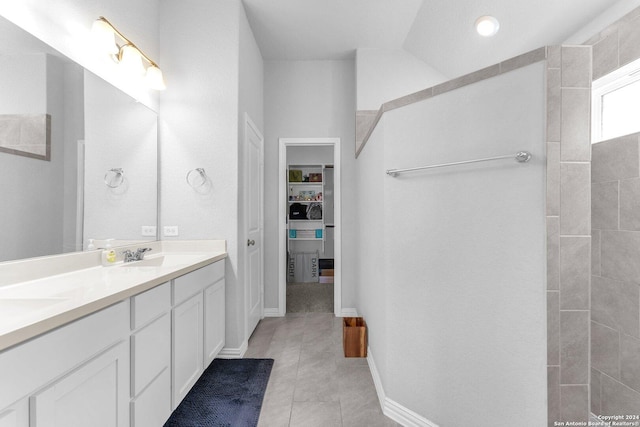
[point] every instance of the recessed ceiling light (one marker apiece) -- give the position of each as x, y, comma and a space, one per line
487, 26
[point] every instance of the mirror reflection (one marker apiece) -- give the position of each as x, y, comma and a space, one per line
62, 130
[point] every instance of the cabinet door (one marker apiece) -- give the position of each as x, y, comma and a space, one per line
187, 346
96, 394
214, 304
151, 353
153, 407
16, 416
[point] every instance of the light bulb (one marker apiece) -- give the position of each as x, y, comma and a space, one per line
131, 60
104, 37
487, 26
154, 78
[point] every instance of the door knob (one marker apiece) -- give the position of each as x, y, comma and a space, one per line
251, 242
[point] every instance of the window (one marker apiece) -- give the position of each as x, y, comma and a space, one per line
616, 103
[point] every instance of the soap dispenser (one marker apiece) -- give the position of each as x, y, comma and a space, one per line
108, 254
108, 257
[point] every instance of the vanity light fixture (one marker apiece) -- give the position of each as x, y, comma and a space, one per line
487, 26
127, 54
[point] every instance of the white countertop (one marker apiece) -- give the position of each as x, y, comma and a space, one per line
40, 304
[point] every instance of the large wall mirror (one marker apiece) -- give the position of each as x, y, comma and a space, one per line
78, 157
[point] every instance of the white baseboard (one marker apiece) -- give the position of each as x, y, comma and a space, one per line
233, 353
349, 312
392, 409
272, 312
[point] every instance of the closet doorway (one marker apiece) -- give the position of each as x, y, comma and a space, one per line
309, 225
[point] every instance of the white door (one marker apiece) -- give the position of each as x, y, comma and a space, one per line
254, 207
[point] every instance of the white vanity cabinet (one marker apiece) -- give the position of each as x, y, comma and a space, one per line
187, 346
95, 394
198, 325
127, 365
151, 357
16, 416
214, 312
76, 375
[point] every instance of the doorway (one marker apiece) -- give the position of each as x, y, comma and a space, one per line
310, 241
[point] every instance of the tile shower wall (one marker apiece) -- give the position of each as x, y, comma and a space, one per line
615, 292
615, 265
616, 45
568, 232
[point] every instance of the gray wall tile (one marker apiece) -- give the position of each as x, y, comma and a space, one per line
408, 99
574, 402
554, 105
523, 60
618, 398
629, 41
467, 79
576, 66
595, 252
630, 361
364, 122
605, 56
605, 350
620, 252
574, 347
604, 205
553, 253
554, 57
576, 125
575, 272
630, 204
553, 328
553, 395
553, 178
575, 199
615, 159
616, 304
595, 391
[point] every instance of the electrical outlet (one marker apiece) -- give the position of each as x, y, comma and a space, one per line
170, 230
148, 230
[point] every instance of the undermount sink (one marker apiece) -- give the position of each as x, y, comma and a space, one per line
18, 306
166, 260
148, 262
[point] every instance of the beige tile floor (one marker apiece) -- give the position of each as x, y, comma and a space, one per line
312, 383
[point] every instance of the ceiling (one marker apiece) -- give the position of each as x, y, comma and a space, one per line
328, 29
439, 32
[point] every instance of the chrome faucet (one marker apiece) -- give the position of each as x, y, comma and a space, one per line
138, 255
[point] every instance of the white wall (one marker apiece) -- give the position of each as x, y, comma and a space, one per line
119, 133
305, 99
66, 24
371, 286
199, 128
213, 81
459, 286
386, 74
309, 155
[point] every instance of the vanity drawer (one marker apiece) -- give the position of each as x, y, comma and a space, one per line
150, 304
194, 282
